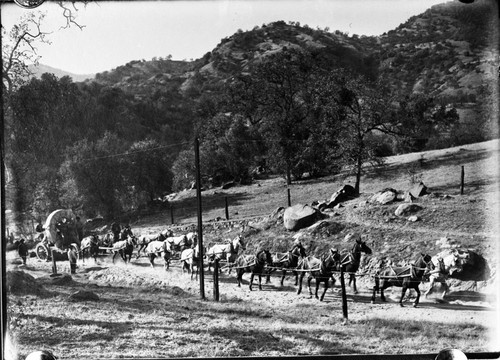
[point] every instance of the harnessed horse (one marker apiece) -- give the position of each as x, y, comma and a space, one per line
90, 245
444, 267
350, 262
159, 248
189, 259
290, 261
144, 241
124, 248
319, 269
227, 252
254, 264
179, 243
407, 277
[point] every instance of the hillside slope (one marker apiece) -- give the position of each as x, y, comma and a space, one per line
469, 220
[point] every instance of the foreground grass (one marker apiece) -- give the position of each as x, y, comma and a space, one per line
130, 322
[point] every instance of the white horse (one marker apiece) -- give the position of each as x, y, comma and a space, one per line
445, 265
124, 248
158, 248
178, 243
189, 259
228, 251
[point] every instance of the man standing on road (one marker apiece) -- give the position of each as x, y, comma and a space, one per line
22, 250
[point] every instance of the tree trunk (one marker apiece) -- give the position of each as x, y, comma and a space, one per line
359, 164
288, 175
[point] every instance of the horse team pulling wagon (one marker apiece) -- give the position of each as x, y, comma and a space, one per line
60, 234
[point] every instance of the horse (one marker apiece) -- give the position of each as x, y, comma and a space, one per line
227, 252
254, 264
406, 277
144, 240
90, 244
288, 260
158, 248
192, 238
350, 262
189, 259
124, 248
105, 241
319, 269
178, 243
443, 268
125, 233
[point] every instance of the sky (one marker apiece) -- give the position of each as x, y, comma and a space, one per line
117, 32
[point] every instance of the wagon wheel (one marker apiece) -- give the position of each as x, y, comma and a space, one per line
42, 252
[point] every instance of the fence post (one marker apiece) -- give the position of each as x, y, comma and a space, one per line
462, 177
172, 214
344, 296
289, 199
227, 209
54, 267
216, 279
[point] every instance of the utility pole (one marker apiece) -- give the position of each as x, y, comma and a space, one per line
200, 222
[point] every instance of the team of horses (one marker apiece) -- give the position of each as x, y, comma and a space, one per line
321, 268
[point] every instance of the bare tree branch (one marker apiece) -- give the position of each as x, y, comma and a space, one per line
69, 12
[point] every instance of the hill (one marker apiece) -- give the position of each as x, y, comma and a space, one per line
447, 52
42, 69
469, 220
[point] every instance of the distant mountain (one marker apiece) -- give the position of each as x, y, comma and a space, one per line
42, 69
445, 52
448, 52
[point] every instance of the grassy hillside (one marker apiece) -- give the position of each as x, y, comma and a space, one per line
469, 219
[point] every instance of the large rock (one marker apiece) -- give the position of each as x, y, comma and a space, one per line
347, 192
418, 190
299, 216
407, 209
385, 196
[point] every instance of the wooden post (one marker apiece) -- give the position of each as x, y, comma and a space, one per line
462, 177
227, 209
172, 214
289, 199
200, 222
216, 279
344, 295
54, 267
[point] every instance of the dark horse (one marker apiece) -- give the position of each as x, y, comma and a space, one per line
350, 262
254, 264
407, 277
319, 269
288, 261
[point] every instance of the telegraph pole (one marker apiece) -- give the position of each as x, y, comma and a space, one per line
200, 222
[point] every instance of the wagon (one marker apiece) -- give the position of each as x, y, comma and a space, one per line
59, 234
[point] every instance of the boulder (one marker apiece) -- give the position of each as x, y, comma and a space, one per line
418, 190
299, 216
228, 185
384, 197
347, 192
84, 296
406, 209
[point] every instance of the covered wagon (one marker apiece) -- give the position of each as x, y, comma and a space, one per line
59, 234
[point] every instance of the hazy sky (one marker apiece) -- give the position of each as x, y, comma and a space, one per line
117, 32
